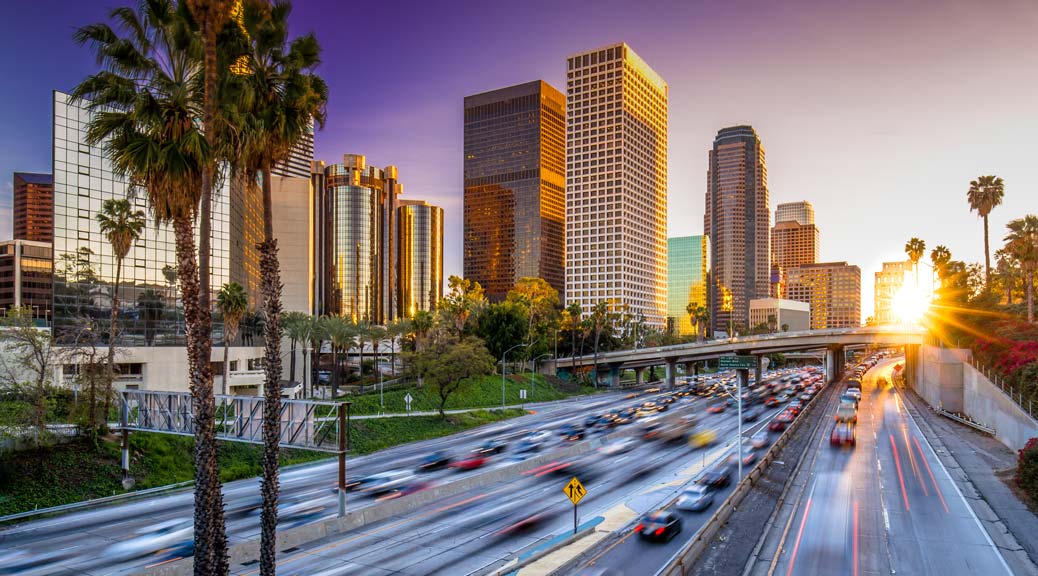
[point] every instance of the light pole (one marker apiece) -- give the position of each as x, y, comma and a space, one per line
534, 373
505, 353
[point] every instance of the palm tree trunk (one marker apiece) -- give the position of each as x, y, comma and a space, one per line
987, 256
111, 340
210, 532
335, 371
226, 370
597, 334
271, 290
1030, 296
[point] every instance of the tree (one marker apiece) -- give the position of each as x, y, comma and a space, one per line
939, 257
601, 317
421, 323
1007, 270
449, 364
340, 332
502, 326
146, 103
573, 316
984, 195
1022, 242
150, 310
296, 326
26, 363
699, 316
915, 248
541, 303
463, 299
121, 226
233, 303
394, 330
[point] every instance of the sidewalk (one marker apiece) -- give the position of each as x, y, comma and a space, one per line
973, 459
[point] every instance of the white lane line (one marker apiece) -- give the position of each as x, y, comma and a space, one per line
886, 519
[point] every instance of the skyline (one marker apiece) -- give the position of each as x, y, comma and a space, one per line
813, 79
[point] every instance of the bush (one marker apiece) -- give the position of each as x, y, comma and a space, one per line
1027, 469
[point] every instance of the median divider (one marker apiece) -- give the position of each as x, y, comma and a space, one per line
682, 561
246, 551
511, 567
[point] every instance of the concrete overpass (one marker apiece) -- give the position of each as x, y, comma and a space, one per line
830, 342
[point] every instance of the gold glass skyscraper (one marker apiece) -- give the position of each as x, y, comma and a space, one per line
794, 241
421, 256
736, 220
688, 271
616, 183
515, 142
833, 289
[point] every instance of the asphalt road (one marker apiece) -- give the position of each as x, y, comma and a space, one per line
886, 506
84, 542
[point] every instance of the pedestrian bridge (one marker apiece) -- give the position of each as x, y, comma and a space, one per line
833, 342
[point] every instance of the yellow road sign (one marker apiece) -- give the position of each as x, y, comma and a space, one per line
575, 491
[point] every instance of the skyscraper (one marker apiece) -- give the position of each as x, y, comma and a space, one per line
421, 256
26, 276
736, 220
515, 141
794, 240
688, 271
833, 289
888, 283
33, 207
616, 183
300, 157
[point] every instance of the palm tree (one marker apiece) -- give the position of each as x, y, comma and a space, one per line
375, 334
340, 331
145, 102
421, 324
939, 257
1007, 268
281, 99
915, 248
573, 313
600, 318
315, 338
296, 326
699, 315
121, 226
233, 303
1022, 241
984, 194
395, 330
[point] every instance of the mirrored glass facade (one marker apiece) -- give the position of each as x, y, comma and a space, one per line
688, 271
421, 256
150, 310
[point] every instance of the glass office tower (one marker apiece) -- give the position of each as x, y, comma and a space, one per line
688, 271
421, 256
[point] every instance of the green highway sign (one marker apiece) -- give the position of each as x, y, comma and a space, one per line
737, 362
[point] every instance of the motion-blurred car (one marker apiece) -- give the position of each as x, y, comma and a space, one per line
618, 446
716, 409
759, 439
538, 436
751, 414
846, 413
842, 435
492, 447
434, 461
470, 461
717, 476
659, 526
571, 432
150, 539
805, 397
795, 407
851, 399
780, 422
385, 482
772, 401
527, 446
695, 498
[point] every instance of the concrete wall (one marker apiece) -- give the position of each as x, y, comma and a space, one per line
946, 380
988, 405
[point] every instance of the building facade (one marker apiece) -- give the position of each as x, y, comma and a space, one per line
616, 183
794, 241
833, 289
737, 222
888, 283
780, 315
26, 276
33, 207
515, 187
688, 271
421, 256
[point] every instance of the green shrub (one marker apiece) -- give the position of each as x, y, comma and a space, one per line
1027, 469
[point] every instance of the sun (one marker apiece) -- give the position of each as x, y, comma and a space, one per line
910, 304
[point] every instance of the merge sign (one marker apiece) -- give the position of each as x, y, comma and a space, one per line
575, 491
737, 362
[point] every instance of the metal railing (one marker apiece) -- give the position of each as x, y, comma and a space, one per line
1016, 394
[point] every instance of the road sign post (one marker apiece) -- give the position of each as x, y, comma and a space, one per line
407, 401
737, 362
575, 491
522, 397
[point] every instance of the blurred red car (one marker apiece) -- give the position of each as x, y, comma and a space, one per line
842, 435
716, 409
471, 462
781, 421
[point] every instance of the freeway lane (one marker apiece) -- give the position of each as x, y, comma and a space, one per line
887, 506
80, 541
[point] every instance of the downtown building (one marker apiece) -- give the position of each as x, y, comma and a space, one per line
833, 291
370, 265
33, 207
616, 183
794, 241
515, 187
26, 275
688, 272
888, 283
151, 326
737, 222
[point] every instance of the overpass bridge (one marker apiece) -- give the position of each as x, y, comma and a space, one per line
832, 343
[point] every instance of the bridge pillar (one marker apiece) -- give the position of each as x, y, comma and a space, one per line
614, 375
690, 367
672, 368
834, 360
639, 376
758, 370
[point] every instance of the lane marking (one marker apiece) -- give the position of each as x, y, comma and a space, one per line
928, 470
800, 533
855, 538
897, 463
911, 459
886, 519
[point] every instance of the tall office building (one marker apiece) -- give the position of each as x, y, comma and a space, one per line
616, 183
888, 283
299, 158
26, 276
688, 271
33, 207
794, 241
515, 142
833, 289
421, 256
736, 220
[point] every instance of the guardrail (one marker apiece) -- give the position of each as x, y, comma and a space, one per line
129, 496
1014, 394
684, 559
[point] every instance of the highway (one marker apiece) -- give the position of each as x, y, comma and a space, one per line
886, 506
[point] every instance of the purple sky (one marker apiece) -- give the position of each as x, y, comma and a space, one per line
879, 113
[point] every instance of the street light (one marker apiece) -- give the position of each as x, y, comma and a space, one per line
533, 373
505, 353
